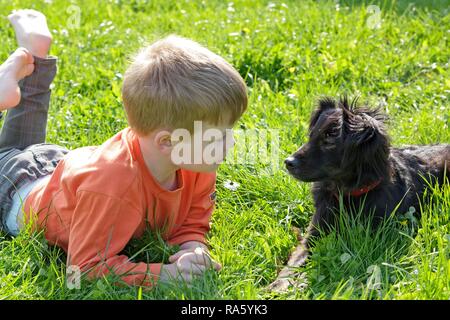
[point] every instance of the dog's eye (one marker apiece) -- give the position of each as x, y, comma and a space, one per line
330, 134
329, 137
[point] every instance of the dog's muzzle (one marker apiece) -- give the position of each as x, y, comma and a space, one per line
291, 163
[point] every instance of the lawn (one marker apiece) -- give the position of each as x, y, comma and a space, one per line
391, 53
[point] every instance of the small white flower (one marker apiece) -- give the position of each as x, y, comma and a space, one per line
231, 185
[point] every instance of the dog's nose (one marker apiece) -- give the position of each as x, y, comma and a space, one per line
291, 162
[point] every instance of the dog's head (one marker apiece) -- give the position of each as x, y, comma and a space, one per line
346, 144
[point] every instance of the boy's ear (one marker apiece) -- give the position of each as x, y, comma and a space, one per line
163, 141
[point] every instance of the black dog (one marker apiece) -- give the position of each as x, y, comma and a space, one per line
349, 155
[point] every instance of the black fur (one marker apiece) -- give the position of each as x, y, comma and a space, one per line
348, 149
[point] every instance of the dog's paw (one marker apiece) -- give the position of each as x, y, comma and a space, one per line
298, 258
285, 284
279, 286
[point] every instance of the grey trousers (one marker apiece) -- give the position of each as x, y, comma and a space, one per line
24, 155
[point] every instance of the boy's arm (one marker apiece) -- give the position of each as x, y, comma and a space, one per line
196, 225
100, 229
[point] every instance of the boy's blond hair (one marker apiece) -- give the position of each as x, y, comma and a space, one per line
176, 81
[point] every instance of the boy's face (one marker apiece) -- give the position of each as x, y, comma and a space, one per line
203, 149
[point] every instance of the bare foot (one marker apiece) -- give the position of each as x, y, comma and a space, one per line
32, 31
16, 67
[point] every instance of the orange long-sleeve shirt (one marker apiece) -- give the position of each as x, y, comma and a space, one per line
99, 198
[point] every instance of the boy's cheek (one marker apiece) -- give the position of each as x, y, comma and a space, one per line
200, 167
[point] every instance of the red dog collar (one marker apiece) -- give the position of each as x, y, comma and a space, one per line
364, 190
360, 191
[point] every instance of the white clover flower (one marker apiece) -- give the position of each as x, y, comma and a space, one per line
231, 185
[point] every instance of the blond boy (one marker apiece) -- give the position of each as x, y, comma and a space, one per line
92, 201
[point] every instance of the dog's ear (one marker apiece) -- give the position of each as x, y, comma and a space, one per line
360, 128
362, 125
324, 103
348, 108
366, 143
327, 103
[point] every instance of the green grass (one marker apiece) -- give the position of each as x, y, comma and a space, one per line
289, 54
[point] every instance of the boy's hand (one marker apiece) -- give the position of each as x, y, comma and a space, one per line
188, 263
193, 245
197, 255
